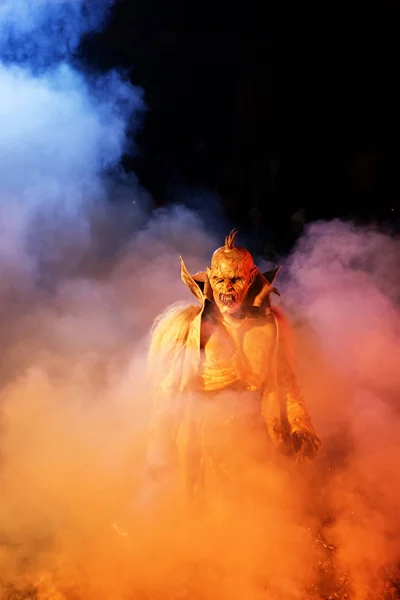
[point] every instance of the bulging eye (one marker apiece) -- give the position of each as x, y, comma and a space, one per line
236, 280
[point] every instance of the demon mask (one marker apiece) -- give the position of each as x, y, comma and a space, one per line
231, 274
232, 280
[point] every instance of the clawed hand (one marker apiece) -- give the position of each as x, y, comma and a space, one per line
305, 444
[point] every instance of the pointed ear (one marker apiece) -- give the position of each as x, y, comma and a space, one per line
253, 275
271, 275
190, 282
262, 290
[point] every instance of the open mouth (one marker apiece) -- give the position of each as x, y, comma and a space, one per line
227, 299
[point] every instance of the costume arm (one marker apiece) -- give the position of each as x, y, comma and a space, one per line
299, 420
164, 371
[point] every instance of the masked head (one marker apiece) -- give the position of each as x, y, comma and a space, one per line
231, 274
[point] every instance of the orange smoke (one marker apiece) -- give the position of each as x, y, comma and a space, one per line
79, 518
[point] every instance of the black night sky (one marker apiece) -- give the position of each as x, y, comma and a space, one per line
287, 115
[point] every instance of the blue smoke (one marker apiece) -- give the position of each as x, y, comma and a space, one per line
41, 33
61, 133
58, 134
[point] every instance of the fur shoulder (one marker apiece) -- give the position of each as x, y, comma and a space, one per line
168, 343
169, 335
172, 326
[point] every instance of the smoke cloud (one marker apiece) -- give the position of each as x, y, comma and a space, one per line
343, 294
43, 33
82, 279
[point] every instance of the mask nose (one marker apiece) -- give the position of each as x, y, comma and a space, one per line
229, 286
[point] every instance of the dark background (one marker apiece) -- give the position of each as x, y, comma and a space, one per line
287, 115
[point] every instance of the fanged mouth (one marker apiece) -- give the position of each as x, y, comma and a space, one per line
227, 299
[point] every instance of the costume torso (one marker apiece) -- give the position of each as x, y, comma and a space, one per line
236, 357
228, 433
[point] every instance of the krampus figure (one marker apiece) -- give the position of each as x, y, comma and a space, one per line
225, 395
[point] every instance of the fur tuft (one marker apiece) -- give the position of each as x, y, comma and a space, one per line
230, 239
169, 337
